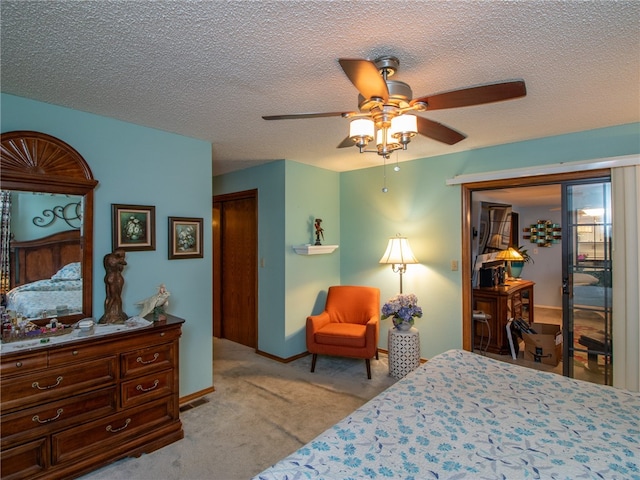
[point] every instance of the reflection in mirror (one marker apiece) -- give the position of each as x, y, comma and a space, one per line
45, 269
495, 227
46, 226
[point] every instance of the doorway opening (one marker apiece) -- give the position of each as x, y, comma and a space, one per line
517, 299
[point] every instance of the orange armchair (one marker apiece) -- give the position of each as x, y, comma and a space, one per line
349, 326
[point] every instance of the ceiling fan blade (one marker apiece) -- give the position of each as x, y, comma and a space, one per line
438, 131
347, 142
304, 115
366, 78
465, 97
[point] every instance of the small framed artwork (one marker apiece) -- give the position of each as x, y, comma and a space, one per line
185, 238
133, 227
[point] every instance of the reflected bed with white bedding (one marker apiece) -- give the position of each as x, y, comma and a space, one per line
63, 289
462, 415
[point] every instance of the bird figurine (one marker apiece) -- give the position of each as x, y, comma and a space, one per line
156, 303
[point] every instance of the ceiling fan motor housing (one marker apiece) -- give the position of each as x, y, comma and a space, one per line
387, 66
400, 95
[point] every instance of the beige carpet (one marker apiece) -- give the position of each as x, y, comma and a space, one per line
261, 411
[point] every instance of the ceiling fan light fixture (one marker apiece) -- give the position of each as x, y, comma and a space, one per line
361, 131
403, 127
385, 143
391, 142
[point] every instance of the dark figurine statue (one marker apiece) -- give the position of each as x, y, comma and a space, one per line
319, 231
114, 263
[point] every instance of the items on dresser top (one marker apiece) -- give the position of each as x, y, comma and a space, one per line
71, 334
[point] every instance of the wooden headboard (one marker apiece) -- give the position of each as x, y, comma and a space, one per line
39, 259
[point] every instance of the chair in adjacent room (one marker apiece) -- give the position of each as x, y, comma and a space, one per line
349, 326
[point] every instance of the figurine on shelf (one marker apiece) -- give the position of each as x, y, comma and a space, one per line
319, 231
156, 303
114, 264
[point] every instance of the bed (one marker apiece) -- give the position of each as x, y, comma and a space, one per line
589, 291
46, 275
463, 415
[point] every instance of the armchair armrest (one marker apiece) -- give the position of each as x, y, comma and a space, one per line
315, 323
373, 330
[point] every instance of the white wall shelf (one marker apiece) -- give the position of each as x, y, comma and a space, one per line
309, 249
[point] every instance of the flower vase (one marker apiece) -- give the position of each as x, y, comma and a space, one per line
403, 326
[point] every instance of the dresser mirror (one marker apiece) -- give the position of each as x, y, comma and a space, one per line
47, 246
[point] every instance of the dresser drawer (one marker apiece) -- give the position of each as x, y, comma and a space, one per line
151, 359
144, 389
31, 422
116, 429
17, 365
56, 383
24, 461
80, 352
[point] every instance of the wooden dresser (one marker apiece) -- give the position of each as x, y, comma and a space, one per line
70, 408
513, 300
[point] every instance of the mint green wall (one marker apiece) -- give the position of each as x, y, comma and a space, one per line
311, 193
141, 166
590, 144
290, 196
269, 180
420, 206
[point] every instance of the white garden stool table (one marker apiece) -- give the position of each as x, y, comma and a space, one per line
404, 351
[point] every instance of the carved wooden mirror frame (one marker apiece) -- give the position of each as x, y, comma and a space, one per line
37, 162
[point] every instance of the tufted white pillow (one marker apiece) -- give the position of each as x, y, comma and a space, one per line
71, 271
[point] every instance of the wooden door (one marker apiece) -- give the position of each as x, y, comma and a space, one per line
235, 267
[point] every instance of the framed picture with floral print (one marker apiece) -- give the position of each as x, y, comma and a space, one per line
185, 238
133, 227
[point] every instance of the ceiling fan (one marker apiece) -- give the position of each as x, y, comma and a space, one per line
386, 106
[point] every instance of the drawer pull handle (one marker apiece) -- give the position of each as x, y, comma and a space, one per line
155, 357
140, 388
36, 418
37, 385
18, 364
115, 430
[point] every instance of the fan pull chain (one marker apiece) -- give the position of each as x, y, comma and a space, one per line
384, 174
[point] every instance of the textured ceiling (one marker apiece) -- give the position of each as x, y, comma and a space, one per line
210, 70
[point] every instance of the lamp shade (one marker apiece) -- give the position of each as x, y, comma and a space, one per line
398, 252
510, 254
404, 125
380, 137
362, 128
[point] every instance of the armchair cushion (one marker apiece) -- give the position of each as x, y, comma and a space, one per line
342, 334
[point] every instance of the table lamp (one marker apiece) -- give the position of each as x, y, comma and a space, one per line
398, 254
509, 255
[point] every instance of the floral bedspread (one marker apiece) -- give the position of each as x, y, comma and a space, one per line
462, 415
33, 298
